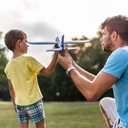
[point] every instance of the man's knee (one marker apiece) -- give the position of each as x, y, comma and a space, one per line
108, 108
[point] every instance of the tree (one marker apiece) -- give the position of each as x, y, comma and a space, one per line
59, 87
90, 55
4, 94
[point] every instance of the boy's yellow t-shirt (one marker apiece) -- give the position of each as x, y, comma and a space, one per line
22, 72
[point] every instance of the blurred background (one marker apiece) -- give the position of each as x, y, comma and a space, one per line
44, 20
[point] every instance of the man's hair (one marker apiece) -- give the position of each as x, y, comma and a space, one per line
117, 23
12, 36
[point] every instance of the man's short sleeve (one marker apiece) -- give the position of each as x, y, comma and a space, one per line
116, 63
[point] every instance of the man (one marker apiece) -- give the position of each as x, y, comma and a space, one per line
114, 73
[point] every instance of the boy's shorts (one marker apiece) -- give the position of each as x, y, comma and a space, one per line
34, 112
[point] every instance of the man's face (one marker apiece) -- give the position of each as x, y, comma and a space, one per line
107, 43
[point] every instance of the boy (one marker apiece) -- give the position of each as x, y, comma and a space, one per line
22, 73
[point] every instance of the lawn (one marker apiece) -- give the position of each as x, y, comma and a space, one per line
59, 115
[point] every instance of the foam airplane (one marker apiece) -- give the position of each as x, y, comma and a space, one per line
60, 44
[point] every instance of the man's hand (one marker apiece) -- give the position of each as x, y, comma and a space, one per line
65, 61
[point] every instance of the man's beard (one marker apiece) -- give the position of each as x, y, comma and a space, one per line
107, 48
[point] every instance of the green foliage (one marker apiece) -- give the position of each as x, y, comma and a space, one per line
90, 56
3, 61
59, 87
3, 80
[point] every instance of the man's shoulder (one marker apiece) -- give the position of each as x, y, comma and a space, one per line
125, 48
121, 51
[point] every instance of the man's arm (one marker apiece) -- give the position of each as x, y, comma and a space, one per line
88, 75
91, 89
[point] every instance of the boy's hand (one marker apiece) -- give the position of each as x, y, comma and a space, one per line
55, 46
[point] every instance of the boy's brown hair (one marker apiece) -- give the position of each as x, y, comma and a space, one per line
12, 36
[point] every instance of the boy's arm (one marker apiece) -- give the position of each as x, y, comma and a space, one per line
12, 92
49, 70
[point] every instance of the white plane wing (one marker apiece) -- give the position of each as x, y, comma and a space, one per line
59, 49
66, 42
76, 42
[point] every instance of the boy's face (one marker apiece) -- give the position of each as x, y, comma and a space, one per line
24, 46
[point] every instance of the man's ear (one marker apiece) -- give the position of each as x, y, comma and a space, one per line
114, 35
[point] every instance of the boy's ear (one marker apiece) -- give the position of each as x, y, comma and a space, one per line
18, 42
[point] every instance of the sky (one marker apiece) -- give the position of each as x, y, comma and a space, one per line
44, 20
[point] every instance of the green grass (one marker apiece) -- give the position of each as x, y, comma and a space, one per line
59, 115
